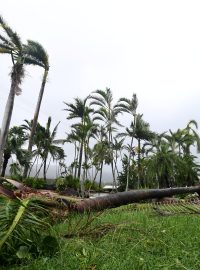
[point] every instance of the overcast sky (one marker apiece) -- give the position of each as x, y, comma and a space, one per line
148, 47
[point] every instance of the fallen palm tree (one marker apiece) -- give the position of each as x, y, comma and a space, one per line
96, 204
123, 198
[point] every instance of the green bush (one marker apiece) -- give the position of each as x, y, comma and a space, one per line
90, 185
17, 177
61, 184
72, 182
34, 182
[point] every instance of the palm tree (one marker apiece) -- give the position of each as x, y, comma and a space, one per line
84, 132
161, 165
75, 139
117, 147
100, 152
142, 133
187, 171
79, 110
108, 114
129, 106
15, 140
48, 147
14, 47
37, 141
36, 55
90, 130
191, 137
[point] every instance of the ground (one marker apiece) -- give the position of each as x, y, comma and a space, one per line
125, 238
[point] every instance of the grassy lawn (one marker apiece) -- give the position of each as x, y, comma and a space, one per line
126, 239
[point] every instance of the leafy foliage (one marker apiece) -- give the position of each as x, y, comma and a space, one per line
34, 182
23, 229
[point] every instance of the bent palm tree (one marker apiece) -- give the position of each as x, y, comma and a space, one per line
14, 47
36, 55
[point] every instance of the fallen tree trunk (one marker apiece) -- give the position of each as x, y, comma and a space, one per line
100, 203
123, 198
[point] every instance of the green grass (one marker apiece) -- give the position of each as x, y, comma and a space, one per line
125, 239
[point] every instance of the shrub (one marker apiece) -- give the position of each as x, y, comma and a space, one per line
16, 177
34, 182
72, 182
61, 184
90, 185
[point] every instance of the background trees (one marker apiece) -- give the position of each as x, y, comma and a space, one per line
138, 157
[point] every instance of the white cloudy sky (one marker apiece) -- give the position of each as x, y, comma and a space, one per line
148, 47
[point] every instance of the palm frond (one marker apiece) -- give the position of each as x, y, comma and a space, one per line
35, 51
31, 61
5, 46
21, 223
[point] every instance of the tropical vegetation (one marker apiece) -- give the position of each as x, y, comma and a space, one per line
105, 135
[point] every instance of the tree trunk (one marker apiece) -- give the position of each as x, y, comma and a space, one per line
100, 177
129, 158
128, 165
80, 160
123, 198
5, 163
79, 170
6, 120
140, 180
35, 118
44, 169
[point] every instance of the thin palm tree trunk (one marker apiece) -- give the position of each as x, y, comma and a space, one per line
37, 173
140, 181
6, 120
79, 170
35, 118
32, 165
100, 178
129, 159
44, 169
5, 163
49, 164
80, 160
128, 167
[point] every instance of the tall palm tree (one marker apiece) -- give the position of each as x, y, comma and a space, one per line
12, 45
107, 112
129, 106
36, 55
79, 110
84, 132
